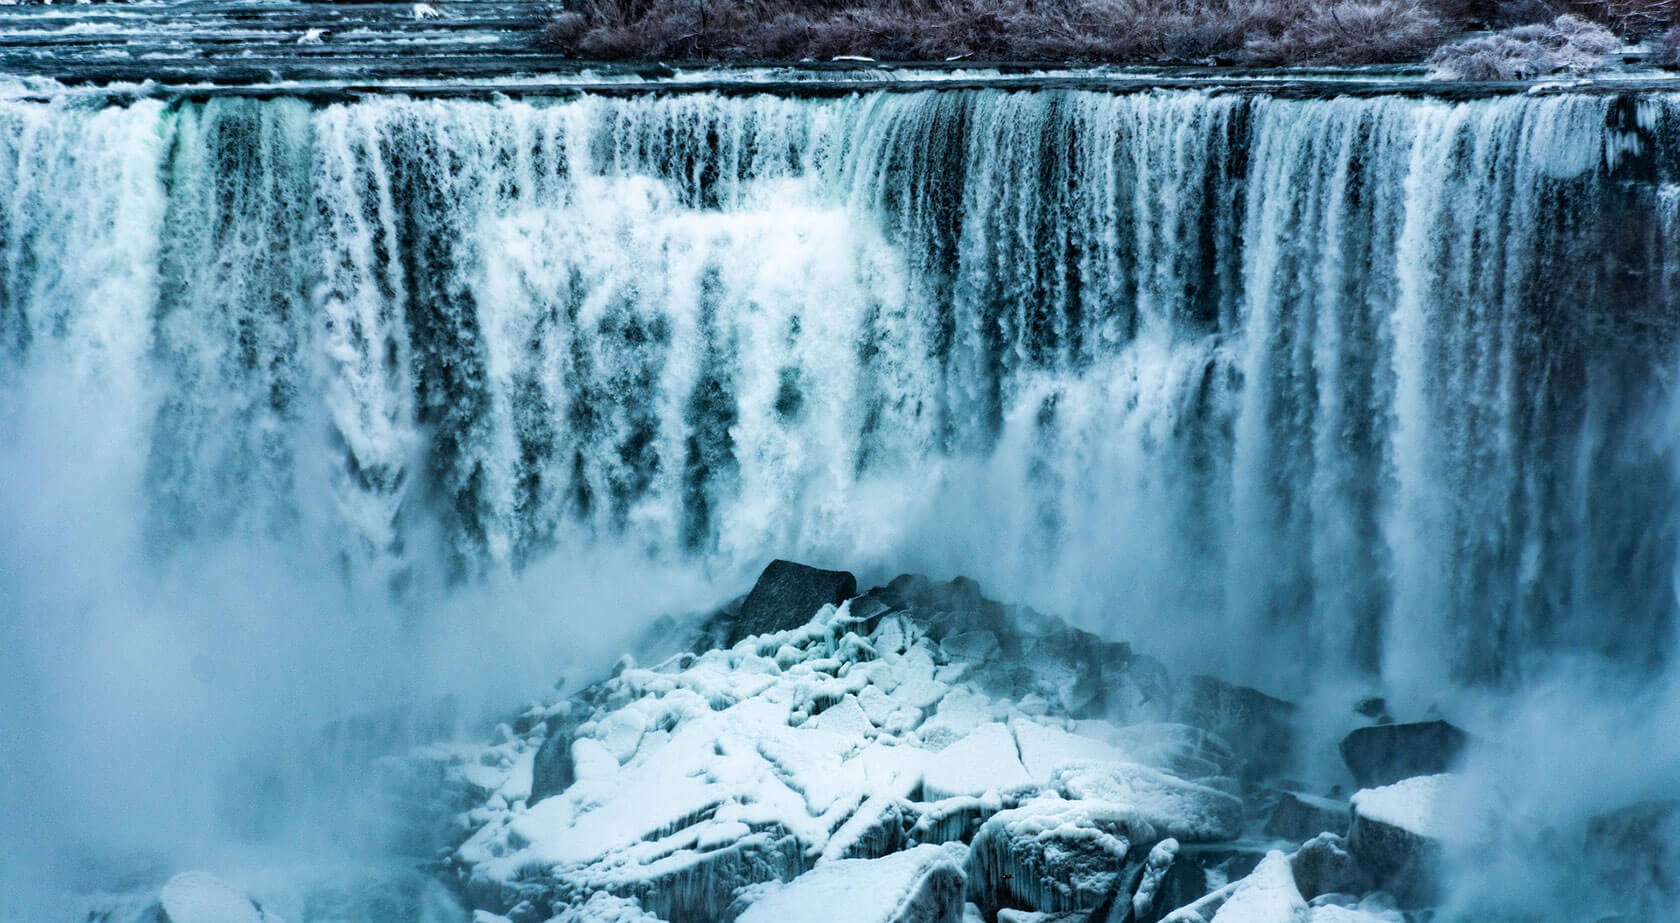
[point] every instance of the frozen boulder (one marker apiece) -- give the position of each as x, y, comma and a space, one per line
1398, 831
923, 884
199, 897
1260, 728
1634, 854
787, 595
1054, 856
1299, 816
1267, 895
1325, 865
1186, 811
1386, 753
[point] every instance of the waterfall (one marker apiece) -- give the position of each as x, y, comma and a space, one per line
1379, 384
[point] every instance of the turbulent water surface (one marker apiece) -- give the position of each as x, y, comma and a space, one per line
1376, 387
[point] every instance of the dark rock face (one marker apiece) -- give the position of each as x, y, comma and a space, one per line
1634, 854
1299, 816
1184, 882
1386, 753
787, 595
552, 771
1402, 862
1324, 865
1259, 727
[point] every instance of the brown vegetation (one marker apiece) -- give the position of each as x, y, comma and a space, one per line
1254, 32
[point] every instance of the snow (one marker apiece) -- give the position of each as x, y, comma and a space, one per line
1178, 808
1330, 913
1044, 749
984, 761
199, 897
1413, 805
605, 908
1267, 895
862, 890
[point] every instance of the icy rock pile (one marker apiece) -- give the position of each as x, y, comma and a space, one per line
918, 752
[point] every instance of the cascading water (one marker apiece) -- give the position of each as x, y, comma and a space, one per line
1376, 381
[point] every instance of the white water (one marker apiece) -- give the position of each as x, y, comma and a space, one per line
352, 402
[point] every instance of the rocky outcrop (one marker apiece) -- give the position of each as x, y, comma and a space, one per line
1259, 727
924, 743
1299, 816
787, 595
1386, 753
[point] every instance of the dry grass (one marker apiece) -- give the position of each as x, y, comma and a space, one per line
1567, 45
1258, 32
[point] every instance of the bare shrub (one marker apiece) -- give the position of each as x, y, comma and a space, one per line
1567, 44
1351, 32
1257, 32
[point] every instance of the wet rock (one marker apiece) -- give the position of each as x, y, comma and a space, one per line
1260, 728
1634, 854
552, 770
787, 595
1374, 707
1386, 753
1325, 865
1298, 816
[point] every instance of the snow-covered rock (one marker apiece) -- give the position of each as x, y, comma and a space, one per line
787, 595
849, 737
923, 884
1398, 831
1267, 895
199, 897
1054, 856
1175, 807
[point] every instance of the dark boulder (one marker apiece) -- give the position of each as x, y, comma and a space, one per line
1386, 753
552, 771
1325, 865
1402, 850
1633, 855
1299, 816
1260, 728
787, 595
